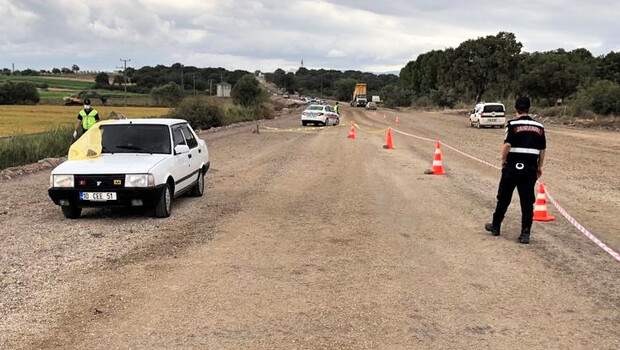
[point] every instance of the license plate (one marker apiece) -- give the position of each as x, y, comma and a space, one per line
98, 196
492, 120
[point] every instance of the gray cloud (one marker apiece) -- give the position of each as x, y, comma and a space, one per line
246, 34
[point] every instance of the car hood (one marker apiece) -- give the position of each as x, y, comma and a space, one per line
130, 163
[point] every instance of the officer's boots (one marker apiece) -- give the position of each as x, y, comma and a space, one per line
493, 228
525, 235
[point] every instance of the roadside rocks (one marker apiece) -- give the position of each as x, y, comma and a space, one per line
43, 164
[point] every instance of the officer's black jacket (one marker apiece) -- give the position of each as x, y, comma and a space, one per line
526, 138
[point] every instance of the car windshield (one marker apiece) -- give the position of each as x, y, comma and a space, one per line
493, 108
135, 138
315, 108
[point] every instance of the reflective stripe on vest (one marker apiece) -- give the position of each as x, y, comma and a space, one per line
88, 120
525, 150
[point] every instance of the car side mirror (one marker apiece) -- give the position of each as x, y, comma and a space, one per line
180, 149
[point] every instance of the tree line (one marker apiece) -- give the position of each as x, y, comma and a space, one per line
495, 68
329, 83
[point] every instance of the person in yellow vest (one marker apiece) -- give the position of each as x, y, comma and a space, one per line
337, 108
86, 119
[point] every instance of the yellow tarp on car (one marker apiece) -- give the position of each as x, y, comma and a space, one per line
88, 146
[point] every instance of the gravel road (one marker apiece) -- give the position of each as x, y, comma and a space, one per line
308, 240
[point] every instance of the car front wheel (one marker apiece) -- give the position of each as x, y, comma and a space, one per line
164, 204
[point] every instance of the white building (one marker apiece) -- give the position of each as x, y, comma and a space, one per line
223, 89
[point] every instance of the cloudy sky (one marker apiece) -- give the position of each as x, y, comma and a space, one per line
371, 35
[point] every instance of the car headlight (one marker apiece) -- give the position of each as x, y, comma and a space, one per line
139, 180
62, 181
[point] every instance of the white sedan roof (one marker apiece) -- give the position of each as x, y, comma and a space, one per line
157, 121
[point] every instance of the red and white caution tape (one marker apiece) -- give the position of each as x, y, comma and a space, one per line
564, 213
583, 230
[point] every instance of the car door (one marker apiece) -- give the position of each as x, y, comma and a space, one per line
194, 151
182, 162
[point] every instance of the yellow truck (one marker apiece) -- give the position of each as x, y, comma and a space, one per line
359, 95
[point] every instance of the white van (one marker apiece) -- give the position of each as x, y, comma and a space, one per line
488, 114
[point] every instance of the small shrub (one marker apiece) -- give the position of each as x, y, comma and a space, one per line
423, 101
18, 93
602, 97
199, 113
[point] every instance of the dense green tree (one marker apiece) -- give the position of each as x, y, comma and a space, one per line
248, 92
344, 89
102, 80
481, 62
609, 67
550, 75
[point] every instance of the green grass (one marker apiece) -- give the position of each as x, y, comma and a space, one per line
52, 82
25, 149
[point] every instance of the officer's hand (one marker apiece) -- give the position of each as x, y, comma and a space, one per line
539, 173
74, 134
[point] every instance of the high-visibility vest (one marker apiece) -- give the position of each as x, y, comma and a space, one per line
88, 120
337, 108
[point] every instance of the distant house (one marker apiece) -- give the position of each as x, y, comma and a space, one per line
223, 89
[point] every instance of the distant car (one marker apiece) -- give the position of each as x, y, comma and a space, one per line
488, 114
371, 105
319, 115
143, 163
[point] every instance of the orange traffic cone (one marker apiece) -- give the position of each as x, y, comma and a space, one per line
540, 208
389, 142
352, 133
437, 161
397, 121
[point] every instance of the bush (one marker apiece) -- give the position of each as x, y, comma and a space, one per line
169, 94
203, 113
25, 149
199, 113
18, 93
247, 92
602, 97
443, 97
423, 101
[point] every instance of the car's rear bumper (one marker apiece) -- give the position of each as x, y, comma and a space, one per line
313, 120
125, 196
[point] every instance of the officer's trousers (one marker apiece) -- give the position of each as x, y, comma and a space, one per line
525, 181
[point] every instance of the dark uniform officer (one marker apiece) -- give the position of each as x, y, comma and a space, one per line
523, 154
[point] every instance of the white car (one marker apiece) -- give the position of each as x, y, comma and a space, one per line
143, 163
320, 114
488, 114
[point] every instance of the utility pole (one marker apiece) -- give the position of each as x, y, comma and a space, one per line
13, 70
210, 87
124, 67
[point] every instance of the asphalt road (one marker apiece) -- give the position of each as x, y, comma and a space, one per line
308, 240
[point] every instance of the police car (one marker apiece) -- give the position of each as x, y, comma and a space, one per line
143, 163
488, 114
320, 114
